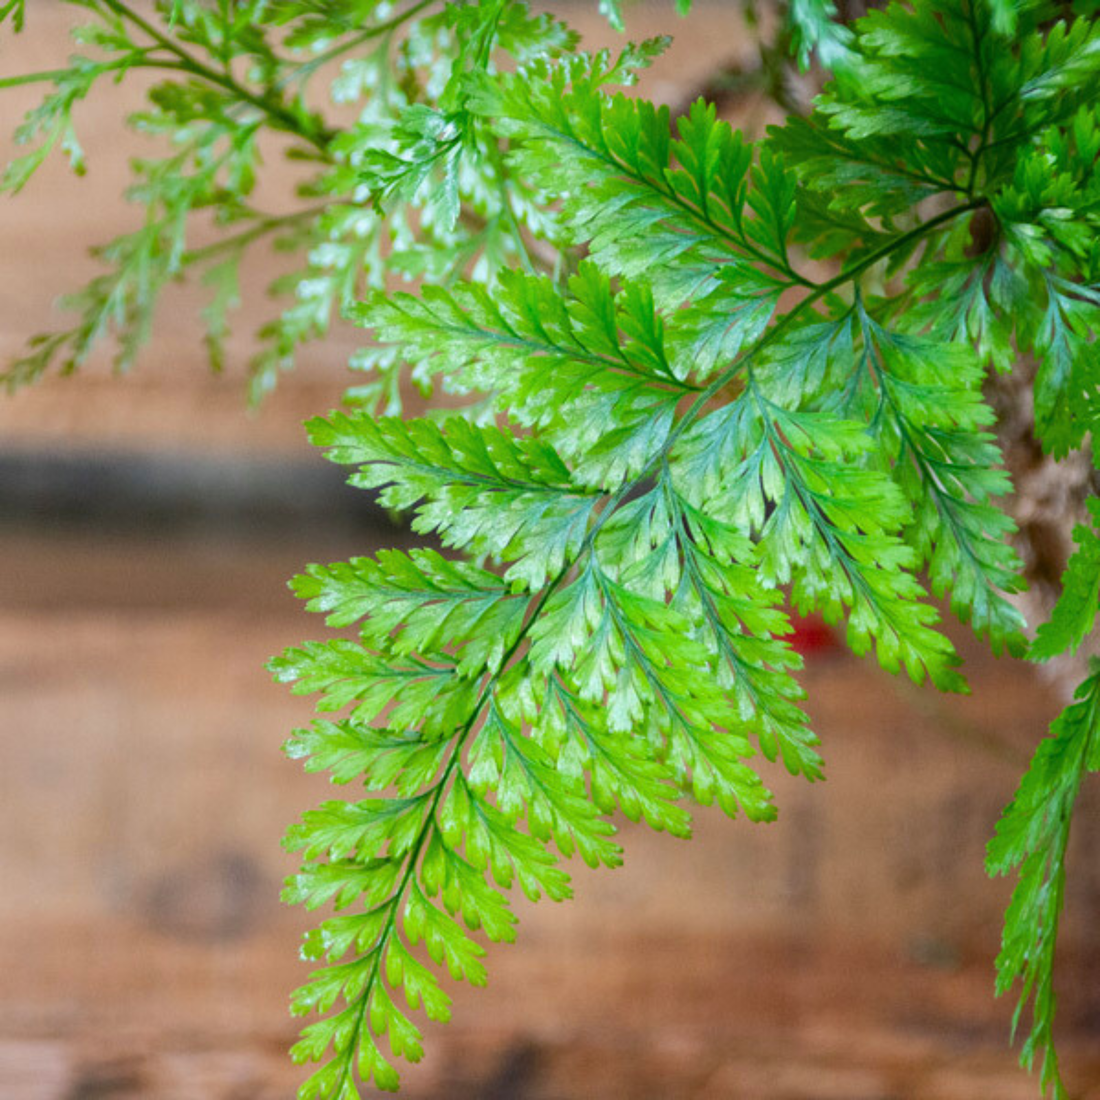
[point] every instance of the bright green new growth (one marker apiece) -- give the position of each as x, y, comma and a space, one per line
761, 389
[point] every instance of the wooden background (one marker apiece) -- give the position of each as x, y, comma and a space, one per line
147, 530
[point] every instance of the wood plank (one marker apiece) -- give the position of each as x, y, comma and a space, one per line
848, 946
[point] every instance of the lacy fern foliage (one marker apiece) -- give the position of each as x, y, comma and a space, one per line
693, 384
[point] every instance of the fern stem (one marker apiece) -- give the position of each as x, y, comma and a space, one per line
138, 59
270, 224
49, 75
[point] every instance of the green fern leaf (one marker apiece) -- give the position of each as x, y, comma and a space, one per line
1032, 836
16, 11
1074, 614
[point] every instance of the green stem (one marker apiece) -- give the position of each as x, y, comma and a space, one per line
261, 228
136, 59
51, 75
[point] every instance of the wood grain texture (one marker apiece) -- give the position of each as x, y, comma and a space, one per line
843, 953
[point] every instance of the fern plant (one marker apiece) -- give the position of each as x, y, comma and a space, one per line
693, 384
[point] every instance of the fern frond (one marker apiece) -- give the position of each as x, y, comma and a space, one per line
681, 207
1074, 614
1032, 836
924, 400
